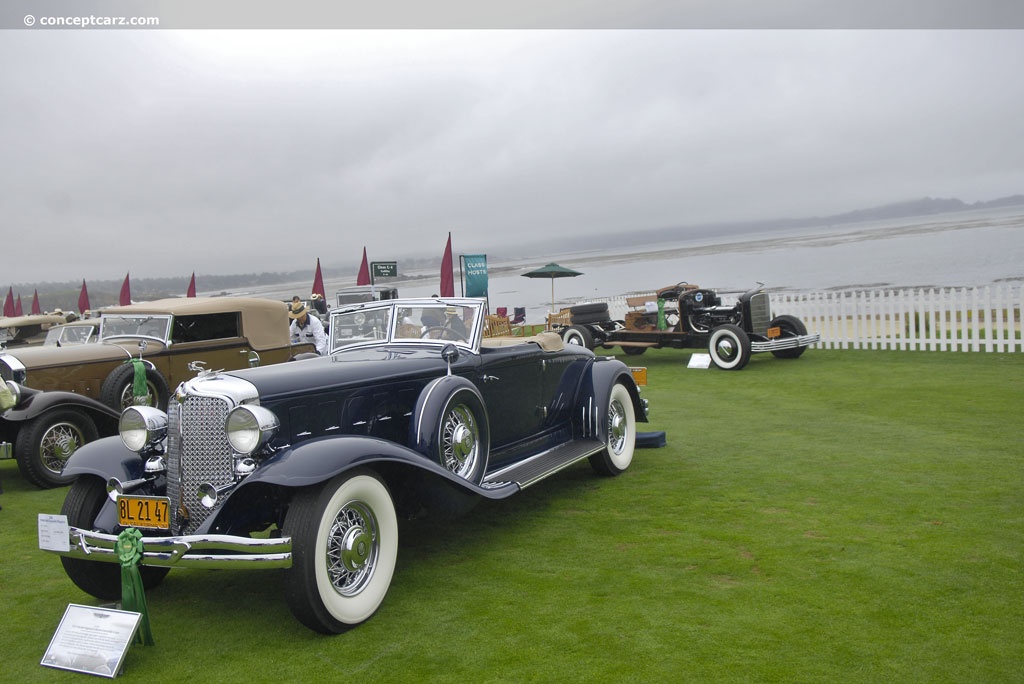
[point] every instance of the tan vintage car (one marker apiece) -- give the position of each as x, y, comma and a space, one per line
69, 395
30, 329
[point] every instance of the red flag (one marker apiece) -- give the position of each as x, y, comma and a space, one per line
18, 311
364, 271
191, 286
35, 303
83, 300
318, 282
126, 292
9, 303
447, 275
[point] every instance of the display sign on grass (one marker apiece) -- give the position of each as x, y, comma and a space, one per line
92, 640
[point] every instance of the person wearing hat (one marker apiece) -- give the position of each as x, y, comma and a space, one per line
319, 304
306, 328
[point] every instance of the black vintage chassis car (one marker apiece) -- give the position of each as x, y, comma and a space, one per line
307, 465
692, 318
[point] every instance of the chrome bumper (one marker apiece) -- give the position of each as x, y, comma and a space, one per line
188, 551
785, 343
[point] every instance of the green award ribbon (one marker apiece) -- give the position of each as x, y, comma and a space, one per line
129, 552
139, 389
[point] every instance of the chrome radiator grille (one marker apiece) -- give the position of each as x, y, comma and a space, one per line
760, 314
197, 452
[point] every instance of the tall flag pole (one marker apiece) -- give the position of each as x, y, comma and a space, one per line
191, 292
364, 271
126, 292
447, 274
318, 282
83, 300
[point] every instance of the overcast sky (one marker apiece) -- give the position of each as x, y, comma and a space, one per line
168, 152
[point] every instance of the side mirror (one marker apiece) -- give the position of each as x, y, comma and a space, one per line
450, 354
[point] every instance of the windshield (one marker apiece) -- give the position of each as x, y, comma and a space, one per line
410, 320
70, 334
120, 325
434, 322
359, 326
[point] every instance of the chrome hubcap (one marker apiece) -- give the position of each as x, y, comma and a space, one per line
352, 549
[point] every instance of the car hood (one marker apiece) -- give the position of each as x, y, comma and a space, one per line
375, 366
73, 355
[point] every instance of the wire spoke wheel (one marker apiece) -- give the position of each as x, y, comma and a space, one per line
57, 445
460, 441
353, 546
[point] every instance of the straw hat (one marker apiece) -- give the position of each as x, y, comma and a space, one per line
298, 310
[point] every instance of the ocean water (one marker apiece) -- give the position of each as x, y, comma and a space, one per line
962, 249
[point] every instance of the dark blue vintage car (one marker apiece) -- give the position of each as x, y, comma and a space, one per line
308, 465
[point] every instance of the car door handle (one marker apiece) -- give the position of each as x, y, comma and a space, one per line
489, 378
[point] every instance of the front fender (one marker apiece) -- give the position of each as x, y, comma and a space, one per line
36, 402
105, 458
320, 459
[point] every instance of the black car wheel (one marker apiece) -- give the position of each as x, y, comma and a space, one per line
45, 443
620, 437
791, 327
578, 335
117, 390
344, 549
103, 580
729, 347
633, 351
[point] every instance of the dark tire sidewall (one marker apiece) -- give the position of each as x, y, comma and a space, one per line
123, 376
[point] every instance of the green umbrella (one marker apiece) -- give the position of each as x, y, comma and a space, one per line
552, 271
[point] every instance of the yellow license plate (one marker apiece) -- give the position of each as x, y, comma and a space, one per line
151, 512
639, 375
774, 332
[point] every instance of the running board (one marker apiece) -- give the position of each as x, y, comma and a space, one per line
544, 464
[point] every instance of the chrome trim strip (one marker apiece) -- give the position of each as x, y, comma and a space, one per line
187, 551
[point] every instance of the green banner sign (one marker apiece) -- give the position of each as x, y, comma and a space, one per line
384, 269
476, 274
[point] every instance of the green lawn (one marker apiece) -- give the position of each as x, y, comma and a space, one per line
852, 516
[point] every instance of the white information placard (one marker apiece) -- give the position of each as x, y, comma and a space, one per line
53, 532
92, 640
699, 361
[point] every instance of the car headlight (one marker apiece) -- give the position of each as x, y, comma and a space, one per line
142, 427
250, 427
14, 397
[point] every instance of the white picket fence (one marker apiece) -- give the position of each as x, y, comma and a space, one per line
932, 319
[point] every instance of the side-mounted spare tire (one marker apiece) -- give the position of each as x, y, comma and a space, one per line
117, 390
451, 427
